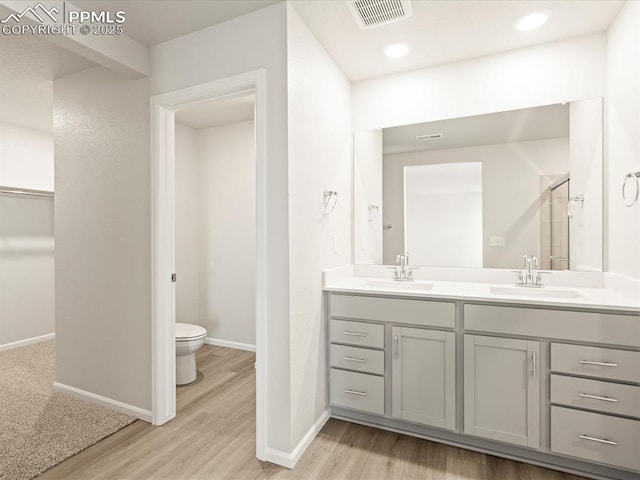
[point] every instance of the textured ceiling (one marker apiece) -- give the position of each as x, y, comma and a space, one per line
150, 22
28, 66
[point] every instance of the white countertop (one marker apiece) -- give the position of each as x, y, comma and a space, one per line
572, 297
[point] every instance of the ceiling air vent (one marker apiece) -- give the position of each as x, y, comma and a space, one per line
433, 136
373, 13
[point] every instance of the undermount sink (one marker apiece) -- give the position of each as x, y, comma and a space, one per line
535, 293
398, 285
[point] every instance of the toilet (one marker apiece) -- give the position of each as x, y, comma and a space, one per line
189, 338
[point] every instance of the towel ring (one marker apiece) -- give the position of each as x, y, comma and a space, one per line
373, 212
329, 202
634, 198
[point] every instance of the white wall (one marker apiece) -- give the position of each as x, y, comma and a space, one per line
187, 225
367, 190
254, 41
511, 192
26, 268
551, 73
586, 152
215, 230
443, 214
103, 235
26, 157
319, 159
227, 233
622, 114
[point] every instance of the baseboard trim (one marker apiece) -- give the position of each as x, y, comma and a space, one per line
27, 341
103, 401
226, 343
289, 460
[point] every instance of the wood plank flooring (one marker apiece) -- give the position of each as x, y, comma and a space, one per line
213, 437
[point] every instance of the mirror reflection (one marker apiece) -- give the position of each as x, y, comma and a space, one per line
484, 190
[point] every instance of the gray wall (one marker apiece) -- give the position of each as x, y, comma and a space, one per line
103, 235
26, 267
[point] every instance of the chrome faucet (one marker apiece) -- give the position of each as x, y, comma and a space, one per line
403, 272
526, 278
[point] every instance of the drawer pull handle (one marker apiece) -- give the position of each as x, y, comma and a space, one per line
598, 440
599, 364
355, 334
356, 392
597, 397
354, 359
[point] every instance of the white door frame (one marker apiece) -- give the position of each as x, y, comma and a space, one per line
163, 108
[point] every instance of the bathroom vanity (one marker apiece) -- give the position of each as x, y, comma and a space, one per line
551, 378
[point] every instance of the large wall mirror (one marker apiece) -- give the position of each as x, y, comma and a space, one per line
484, 190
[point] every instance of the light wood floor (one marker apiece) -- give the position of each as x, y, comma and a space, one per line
213, 437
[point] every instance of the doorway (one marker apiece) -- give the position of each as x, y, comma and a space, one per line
164, 108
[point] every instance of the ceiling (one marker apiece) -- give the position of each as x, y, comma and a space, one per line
150, 22
438, 32
524, 125
219, 111
442, 32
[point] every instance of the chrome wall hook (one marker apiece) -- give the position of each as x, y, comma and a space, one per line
329, 201
373, 212
572, 201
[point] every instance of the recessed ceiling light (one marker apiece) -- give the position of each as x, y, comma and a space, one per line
396, 50
531, 21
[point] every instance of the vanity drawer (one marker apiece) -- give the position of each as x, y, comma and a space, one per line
356, 333
597, 362
414, 312
575, 326
355, 358
595, 437
358, 391
597, 395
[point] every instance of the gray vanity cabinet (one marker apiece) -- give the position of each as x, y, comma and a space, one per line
502, 389
395, 362
424, 376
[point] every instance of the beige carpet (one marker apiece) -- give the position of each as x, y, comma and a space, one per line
40, 428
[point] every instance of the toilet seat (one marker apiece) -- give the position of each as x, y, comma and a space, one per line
186, 332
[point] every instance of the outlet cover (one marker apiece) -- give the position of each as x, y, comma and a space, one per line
496, 241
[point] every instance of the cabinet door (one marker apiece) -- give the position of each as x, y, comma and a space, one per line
423, 376
502, 389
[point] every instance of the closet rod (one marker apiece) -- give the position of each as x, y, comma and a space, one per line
26, 191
